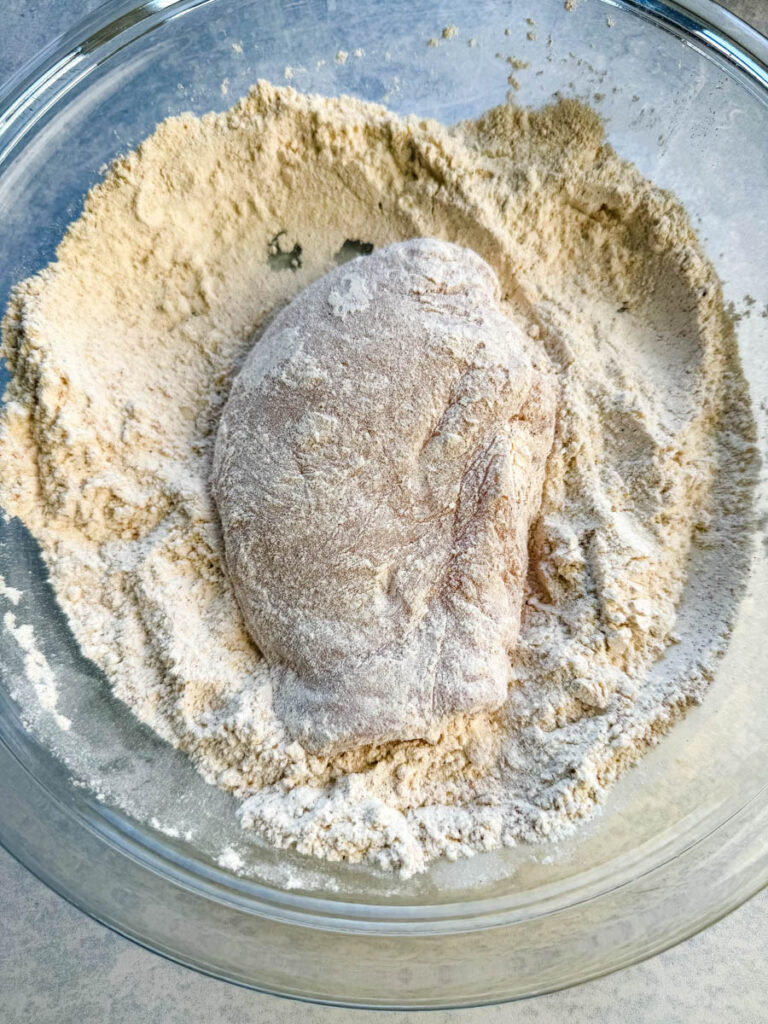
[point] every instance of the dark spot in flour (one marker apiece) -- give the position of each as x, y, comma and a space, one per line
351, 249
279, 258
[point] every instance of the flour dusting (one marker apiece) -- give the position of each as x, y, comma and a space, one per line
36, 667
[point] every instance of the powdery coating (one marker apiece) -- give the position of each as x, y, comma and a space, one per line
122, 354
377, 467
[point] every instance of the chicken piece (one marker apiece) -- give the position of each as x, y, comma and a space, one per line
378, 465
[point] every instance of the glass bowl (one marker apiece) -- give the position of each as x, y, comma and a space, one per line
683, 838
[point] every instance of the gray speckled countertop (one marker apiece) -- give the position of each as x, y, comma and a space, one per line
59, 967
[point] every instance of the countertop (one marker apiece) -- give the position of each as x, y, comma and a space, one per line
59, 967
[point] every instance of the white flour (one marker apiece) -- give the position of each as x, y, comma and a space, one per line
36, 667
122, 353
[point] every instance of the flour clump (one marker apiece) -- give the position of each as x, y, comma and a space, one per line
378, 465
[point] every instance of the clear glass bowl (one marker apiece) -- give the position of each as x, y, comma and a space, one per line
683, 838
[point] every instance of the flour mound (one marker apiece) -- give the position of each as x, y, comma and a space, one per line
377, 467
122, 355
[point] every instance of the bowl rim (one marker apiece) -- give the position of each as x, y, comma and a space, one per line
717, 35
712, 30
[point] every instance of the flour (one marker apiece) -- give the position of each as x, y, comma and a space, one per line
122, 354
10, 593
36, 667
231, 860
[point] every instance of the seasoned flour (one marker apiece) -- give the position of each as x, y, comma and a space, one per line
122, 353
